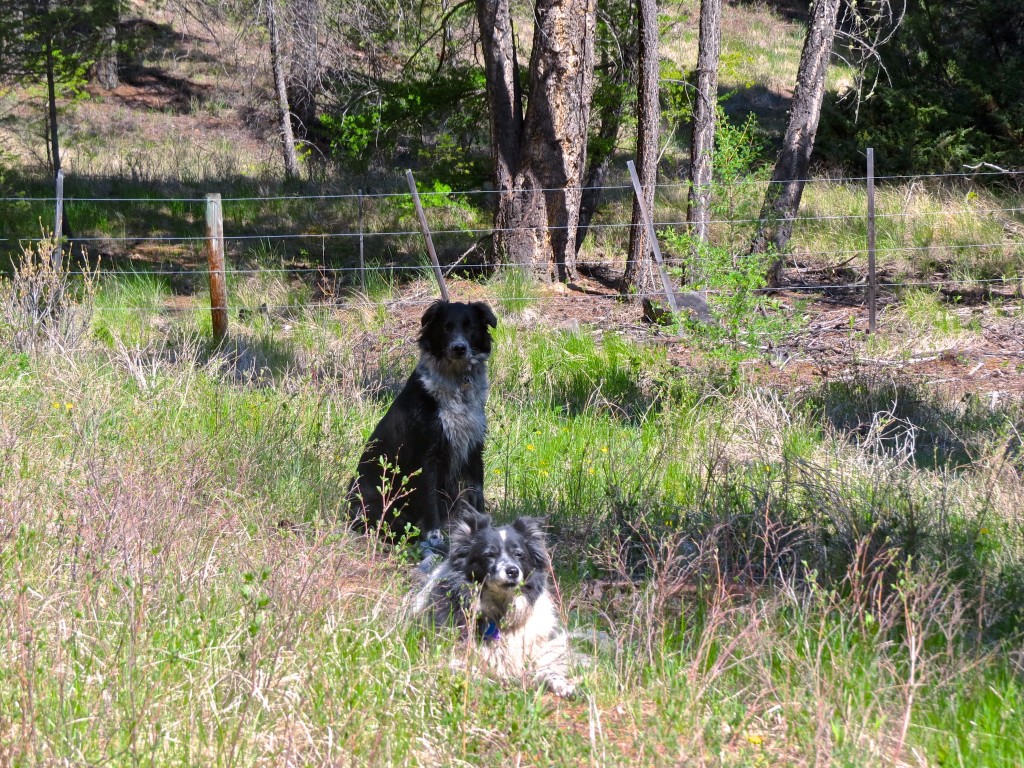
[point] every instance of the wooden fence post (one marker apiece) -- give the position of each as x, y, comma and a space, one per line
57, 257
652, 236
426, 236
872, 280
215, 261
362, 260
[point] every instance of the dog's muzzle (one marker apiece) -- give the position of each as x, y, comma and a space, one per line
458, 349
506, 574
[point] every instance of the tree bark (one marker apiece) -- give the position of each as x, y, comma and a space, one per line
51, 110
105, 68
782, 198
702, 143
639, 275
609, 121
505, 108
539, 202
304, 73
291, 159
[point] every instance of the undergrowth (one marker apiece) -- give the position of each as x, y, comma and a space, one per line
828, 577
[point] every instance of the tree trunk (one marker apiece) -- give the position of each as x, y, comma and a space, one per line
639, 274
105, 69
538, 208
782, 198
304, 72
51, 110
505, 108
291, 159
702, 143
600, 151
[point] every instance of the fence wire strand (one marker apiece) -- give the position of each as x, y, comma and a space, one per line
520, 190
324, 271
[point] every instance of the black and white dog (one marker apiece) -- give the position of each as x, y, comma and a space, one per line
425, 457
494, 587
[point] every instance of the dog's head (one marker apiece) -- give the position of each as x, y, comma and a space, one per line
457, 332
504, 560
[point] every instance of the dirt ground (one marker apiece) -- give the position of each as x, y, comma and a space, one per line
832, 343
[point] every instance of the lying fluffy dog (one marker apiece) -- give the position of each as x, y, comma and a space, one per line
494, 586
425, 457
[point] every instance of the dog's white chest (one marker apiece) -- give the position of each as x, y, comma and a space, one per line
464, 425
461, 411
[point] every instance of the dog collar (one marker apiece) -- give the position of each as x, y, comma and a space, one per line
490, 631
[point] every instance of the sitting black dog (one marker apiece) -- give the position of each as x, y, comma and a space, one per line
424, 460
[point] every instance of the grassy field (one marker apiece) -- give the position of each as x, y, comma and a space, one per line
760, 567
833, 576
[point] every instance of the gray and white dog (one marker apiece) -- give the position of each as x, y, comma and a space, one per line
494, 587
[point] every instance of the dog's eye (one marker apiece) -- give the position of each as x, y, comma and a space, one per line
489, 553
517, 553
449, 325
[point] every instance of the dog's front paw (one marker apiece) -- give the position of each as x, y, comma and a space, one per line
432, 544
561, 687
435, 537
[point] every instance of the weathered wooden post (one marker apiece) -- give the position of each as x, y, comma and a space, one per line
872, 282
653, 237
57, 258
362, 260
426, 235
215, 261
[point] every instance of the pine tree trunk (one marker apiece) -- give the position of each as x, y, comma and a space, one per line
609, 120
538, 206
782, 198
639, 275
702, 143
291, 159
505, 108
51, 111
105, 68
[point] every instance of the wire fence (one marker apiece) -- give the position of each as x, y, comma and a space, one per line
992, 231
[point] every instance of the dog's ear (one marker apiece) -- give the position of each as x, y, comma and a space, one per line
469, 524
432, 311
475, 521
532, 531
485, 313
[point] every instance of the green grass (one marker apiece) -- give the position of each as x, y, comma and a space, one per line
514, 290
125, 305
831, 575
772, 578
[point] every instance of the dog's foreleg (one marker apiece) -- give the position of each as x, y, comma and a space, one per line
475, 477
430, 511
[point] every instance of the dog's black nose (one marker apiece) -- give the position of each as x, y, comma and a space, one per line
459, 348
512, 573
